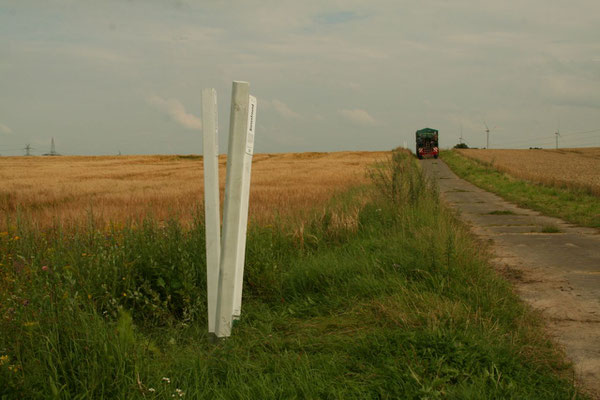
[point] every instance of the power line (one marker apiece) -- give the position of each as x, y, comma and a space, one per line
581, 133
595, 144
529, 143
551, 142
516, 142
523, 140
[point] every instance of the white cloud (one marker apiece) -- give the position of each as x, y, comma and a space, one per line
502, 61
283, 110
5, 129
468, 123
572, 90
351, 85
176, 111
358, 116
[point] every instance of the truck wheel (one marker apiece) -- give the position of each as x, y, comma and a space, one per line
435, 156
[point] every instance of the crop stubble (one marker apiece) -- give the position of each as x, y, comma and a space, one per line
577, 168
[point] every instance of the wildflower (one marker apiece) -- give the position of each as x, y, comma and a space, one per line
30, 323
3, 359
179, 392
124, 294
151, 390
13, 368
89, 296
165, 379
16, 238
45, 268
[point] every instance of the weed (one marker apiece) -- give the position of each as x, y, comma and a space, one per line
550, 229
502, 212
456, 190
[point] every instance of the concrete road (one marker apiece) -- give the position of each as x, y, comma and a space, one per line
556, 273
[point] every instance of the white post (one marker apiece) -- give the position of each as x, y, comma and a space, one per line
210, 141
233, 242
239, 274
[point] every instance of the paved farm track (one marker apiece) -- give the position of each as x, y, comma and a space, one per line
556, 273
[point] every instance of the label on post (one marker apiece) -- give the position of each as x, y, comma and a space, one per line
216, 127
251, 125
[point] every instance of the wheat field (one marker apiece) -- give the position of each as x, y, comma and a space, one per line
127, 188
577, 168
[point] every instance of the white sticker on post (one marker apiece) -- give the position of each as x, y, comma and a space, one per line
251, 125
216, 127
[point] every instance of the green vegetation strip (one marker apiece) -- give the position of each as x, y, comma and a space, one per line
576, 206
383, 295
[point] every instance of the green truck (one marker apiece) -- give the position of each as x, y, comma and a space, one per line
427, 143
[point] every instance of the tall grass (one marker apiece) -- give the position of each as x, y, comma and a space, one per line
380, 295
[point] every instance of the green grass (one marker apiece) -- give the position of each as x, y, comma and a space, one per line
550, 229
502, 212
395, 303
576, 206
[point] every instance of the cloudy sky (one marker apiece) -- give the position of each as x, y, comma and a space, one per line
108, 76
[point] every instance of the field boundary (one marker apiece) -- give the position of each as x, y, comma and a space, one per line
543, 166
575, 206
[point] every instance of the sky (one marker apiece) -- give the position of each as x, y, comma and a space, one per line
126, 76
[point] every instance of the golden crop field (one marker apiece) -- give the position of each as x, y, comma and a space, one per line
574, 168
118, 189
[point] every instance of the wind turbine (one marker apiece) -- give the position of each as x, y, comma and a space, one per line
557, 133
487, 133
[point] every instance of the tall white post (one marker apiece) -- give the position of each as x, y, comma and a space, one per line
239, 270
234, 222
212, 217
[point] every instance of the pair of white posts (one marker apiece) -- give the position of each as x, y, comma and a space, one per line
225, 255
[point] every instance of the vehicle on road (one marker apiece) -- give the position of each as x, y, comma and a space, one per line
427, 143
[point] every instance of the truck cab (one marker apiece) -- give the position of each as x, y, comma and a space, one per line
427, 143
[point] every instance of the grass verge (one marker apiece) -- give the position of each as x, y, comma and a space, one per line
381, 295
573, 205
